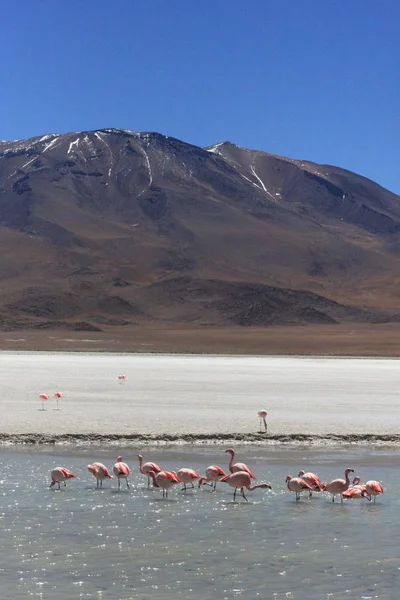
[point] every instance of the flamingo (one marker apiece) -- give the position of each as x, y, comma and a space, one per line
355, 490
313, 481
121, 378
121, 471
164, 480
238, 466
187, 476
213, 474
60, 474
339, 486
242, 479
297, 485
100, 472
58, 396
146, 467
262, 415
373, 488
43, 398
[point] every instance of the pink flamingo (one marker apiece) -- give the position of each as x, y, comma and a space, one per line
100, 472
339, 486
121, 471
262, 415
355, 490
214, 473
234, 468
146, 467
60, 475
43, 398
297, 485
187, 476
164, 480
58, 396
241, 479
121, 378
373, 488
313, 481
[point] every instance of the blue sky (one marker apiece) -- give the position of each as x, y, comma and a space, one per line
311, 79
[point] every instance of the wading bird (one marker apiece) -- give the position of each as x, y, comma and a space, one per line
44, 398
373, 488
144, 468
58, 396
262, 415
187, 476
100, 472
121, 471
60, 475
355, 491
241, 479
164, 480
297, 485
235, 467
214, 473
339, 486
313, 481
121, 378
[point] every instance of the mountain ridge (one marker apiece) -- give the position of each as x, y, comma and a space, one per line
90, 220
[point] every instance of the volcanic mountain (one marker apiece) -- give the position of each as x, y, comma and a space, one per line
113, 227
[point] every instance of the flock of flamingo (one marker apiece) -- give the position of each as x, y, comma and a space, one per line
240, 477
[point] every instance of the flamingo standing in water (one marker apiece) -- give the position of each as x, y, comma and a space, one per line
214, 473
121, 471
58, 396
297, 485
339, 486
164, 480
146, 467
121, 378
241, 479
44, 398
373, 488
187, 476
100, 472
262, 415
313, 481
234, 467
61, 475
355, 490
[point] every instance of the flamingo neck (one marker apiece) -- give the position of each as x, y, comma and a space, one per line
231, 461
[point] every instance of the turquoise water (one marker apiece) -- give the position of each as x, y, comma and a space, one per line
103, 544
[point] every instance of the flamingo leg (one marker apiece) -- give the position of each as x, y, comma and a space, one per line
333, 497
148, 482
234, 495
215, 485
244, 495
119, 484
127, 483
260, 426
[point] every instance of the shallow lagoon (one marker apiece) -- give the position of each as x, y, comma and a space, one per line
104, 544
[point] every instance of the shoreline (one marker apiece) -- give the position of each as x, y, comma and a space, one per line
201, 439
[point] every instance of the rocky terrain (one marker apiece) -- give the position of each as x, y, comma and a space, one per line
113, 228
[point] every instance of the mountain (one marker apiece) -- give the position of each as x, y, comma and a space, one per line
112, 227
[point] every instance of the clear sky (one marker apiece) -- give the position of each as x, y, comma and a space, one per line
309, 79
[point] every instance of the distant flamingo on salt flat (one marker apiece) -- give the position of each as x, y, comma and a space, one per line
297, 485
187, 476
313, 481
339, 486
44, 398
164, 480
100, 472
262, 415
121, 471
144, 468
214, 473
121, 378
241, 479
58, 396
60, 475
234, 467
